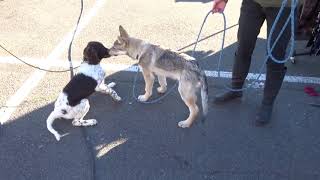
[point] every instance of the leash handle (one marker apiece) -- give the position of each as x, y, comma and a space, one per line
223, 36
291, 19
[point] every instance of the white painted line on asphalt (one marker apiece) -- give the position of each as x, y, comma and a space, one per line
253, 76
104, 149
130, 68
15, 100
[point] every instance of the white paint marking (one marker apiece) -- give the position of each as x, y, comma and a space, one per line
15, 100
253, 76
103, 149
130, 68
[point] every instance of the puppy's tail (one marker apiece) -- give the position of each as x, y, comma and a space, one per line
54, 115
204, 93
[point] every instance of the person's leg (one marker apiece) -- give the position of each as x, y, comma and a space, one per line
275, 71
250, 22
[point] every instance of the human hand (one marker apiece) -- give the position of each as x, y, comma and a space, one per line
219, 5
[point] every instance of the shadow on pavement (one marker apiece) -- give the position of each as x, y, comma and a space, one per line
137, 141
28, 151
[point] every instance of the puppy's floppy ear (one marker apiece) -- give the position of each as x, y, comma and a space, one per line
91, 55
123, 33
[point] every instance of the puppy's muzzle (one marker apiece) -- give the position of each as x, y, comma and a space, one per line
107, 55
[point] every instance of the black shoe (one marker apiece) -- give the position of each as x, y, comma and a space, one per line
227, 96
273, 84
264, 115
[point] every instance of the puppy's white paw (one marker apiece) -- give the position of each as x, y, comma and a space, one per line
57, 136
184, 124
77, 123
117, 98
161, 90
142, 98
91, 122
111, 85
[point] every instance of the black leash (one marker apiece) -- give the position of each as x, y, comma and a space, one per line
70, 45
69, 52
83, 129
33, 66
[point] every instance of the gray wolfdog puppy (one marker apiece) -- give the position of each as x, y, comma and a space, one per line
155, 60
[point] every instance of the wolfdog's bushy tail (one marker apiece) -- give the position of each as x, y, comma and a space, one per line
204, 93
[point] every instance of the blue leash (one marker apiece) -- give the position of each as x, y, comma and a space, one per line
270, 48
152, 101
291, 19
175, 85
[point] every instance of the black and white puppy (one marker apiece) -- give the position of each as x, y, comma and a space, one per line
72, 103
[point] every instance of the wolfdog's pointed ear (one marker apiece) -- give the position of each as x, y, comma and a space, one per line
123, 33
119, 39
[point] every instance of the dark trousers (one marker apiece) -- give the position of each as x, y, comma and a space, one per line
251, 19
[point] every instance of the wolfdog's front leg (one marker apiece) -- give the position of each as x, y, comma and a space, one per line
149, 80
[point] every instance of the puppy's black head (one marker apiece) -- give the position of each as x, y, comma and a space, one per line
94, 52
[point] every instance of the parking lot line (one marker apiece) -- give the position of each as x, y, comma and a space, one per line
133, 68
16, 99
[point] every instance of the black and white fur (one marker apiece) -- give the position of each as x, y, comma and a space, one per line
72, 103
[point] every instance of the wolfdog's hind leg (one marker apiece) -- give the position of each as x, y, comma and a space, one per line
188, 95
163, 84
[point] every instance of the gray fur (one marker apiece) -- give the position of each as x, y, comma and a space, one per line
155, 60
170, 61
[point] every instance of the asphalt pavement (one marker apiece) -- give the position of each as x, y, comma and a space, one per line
138, 141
